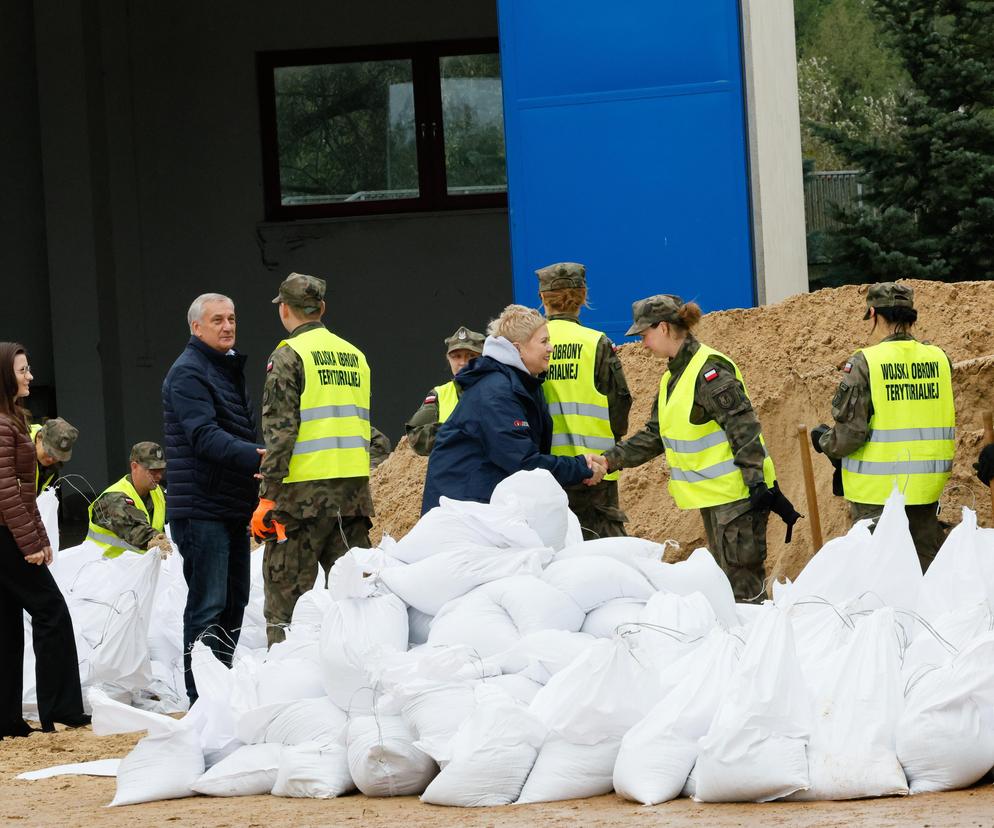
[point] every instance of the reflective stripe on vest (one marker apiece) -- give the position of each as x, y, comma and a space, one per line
447, 397
581, 420
912, 431
113, 545
702, 466
334, 434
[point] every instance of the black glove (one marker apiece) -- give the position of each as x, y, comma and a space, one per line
837, 489
785, 509
985, 465
760, 497
816, 433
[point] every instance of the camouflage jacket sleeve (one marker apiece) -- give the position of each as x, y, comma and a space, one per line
640, 448
722, 398
280, 418
379, 447
116, 512
851, 410
609, 379
423, 426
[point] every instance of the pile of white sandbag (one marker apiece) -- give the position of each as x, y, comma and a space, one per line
493, 657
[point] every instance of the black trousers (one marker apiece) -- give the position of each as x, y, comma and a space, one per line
31, 588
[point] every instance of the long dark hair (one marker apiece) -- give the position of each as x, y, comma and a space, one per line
9, 403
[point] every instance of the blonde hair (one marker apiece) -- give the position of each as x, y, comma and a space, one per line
516, 323
564, 300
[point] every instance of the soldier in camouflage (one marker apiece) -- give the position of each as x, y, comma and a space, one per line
323, 519
736, 530
54, 443
852, 409
116, 511
463, 346
562, 288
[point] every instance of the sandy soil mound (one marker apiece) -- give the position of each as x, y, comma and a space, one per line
790, 355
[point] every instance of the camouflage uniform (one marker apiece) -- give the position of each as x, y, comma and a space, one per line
379, 447
736, 533
57, 438
118, 513
597, 507
422, 428
851, 409
323, 518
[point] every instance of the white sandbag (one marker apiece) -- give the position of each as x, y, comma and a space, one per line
312, 771
353, 575
624, 549
948, 633
249, 771
535, 605
492, 755
310, 720
593, 581
433, 582
600, 695
945, 737
48, 508
383, 760
829, 575
111, 717
564, 770
852, 752
668, 627
540, 500
476, 621
290, 679
820, 631
309, 611
755, 749
961, 573
165, 766
435, 713
519, 687
300, 643
418, 625
353, 628
540, 655
699, 573
607, 619
455, 525
658, 753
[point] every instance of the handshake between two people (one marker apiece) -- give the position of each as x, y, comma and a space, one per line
598, 465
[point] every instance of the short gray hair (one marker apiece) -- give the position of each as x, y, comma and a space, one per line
197, 307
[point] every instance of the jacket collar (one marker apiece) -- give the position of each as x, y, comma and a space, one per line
307, 326
686, 353
503, 351
564, 317
226, 361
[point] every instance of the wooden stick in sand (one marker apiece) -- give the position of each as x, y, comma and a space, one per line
814, 519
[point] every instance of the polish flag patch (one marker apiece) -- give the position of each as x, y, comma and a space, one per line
711, 375
430, 399
269, 367
521, 423
848, 367
129, 501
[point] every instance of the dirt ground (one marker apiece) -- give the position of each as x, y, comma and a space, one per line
791, 355
70, 801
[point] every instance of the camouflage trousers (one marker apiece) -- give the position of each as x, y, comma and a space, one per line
737, 539
289, 569
596, 507
923, 521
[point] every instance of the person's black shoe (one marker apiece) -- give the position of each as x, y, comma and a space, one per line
18, 730
82, 720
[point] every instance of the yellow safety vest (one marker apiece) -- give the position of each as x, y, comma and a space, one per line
447, 397
51, 475
702, 465
581, 421
912, 431
334, 434
113, 545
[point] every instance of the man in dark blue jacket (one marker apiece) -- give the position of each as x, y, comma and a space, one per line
213, 454
502, 423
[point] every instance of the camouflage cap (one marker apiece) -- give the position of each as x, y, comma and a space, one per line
149, 454
301, 291
464, 339
57, 438
889, 295
562, 275
647, 312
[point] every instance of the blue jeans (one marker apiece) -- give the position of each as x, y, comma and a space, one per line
216, 565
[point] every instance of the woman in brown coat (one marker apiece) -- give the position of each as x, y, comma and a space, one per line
25, 582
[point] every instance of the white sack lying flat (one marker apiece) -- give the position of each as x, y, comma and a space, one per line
476, 621
593, 581
98, 767
564, 770
383, 760
534, 605
605, 621
310, 720
313, 771
248, 771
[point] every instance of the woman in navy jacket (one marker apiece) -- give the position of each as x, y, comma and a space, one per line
502, 423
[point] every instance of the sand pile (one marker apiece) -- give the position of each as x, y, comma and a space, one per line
790, 355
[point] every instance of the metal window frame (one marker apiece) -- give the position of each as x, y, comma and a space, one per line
429, 126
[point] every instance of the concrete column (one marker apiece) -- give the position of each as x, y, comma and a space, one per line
81, 261
776, 178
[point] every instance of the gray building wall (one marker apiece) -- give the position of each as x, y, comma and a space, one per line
150, 152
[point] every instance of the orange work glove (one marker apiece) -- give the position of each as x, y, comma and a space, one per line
262, 528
